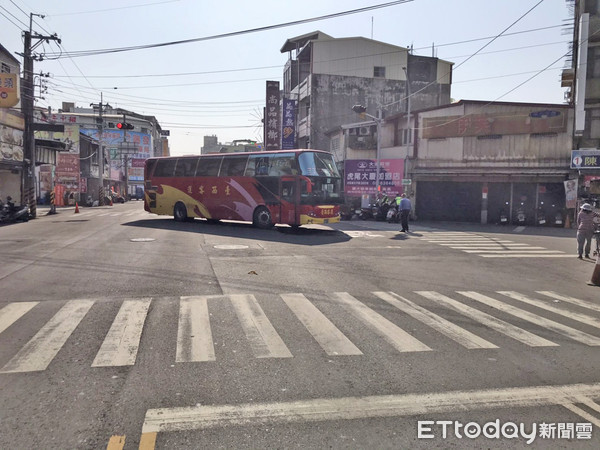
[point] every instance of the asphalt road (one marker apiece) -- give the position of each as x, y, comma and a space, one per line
122, 329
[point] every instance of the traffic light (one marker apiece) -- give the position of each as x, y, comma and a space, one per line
124, 126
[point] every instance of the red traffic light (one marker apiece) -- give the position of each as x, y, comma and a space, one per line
124, 126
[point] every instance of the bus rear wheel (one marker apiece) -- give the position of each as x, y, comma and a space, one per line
180, 212
262, 218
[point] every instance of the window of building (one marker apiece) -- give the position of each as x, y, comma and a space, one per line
489, 136
379, 72
544, 135
406, 136
5, 68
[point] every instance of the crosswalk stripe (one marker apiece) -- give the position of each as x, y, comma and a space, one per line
194, 336
527, 255
510, 251
593, 322
37, 354
394, 335
13, 312
263, 339
575, 301
492, 322
447, 328
572, 333
492, 244
329, 337
582, 413
123, 339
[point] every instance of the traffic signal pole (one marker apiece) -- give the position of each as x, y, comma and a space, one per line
27, 101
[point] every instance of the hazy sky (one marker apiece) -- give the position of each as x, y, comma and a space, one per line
217, 86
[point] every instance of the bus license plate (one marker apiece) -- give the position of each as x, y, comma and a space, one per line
325, 220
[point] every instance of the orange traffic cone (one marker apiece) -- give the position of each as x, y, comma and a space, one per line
76, 208
595, 281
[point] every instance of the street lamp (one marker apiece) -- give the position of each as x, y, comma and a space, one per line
360, 109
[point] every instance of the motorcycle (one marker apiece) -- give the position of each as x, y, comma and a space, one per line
393, 216
521, 218
9, 212
365, 213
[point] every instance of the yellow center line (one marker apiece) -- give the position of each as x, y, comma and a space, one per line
148, 441
116, 443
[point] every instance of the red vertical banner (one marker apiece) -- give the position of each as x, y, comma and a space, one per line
272, 117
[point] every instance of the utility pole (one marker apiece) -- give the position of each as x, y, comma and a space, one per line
101, 107
27, 98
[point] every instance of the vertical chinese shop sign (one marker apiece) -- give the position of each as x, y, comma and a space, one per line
288, 136
272, 128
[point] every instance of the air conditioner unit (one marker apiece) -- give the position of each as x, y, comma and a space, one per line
364, 131
352, 132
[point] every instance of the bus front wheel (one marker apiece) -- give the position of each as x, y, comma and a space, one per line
180, 212
262, 218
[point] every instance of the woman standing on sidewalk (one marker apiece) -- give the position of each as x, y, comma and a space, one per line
585, 229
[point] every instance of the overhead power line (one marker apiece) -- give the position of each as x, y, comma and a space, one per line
234, 33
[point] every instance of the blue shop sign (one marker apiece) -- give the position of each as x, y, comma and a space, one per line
585, 159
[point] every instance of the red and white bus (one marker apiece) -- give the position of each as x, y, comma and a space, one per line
294, 187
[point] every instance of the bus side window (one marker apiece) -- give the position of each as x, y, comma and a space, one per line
208, 167
165, 167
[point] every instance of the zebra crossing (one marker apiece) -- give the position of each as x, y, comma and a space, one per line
195, 342
489, 247
110, 213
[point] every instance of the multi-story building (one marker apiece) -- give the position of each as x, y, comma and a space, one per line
124, 150
583, 79
327, 76
477, 161
12, 126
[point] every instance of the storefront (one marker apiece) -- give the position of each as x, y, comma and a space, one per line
12, 126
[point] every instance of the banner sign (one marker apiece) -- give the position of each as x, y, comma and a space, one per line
360, 176
585, 159
571, 194
9, 94
272, 114
288, 136
544, 121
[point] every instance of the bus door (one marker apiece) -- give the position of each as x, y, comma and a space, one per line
289, 195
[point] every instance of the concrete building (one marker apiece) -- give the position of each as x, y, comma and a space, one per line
327, 76
583, 79
476, 161
12, 126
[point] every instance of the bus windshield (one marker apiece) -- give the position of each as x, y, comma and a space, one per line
317, 164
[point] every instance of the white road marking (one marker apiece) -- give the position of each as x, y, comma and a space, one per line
329, 337
13, 312
394, 335
527, 255
492, 322
520, 251
496, 244
569, 332
262, 337
348, 408
37, 354
194, 336
593, 322
454, 332
575, 301
582, 413
121, 344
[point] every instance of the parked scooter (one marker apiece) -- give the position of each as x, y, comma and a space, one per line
9, 212
393, 215
521, 217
